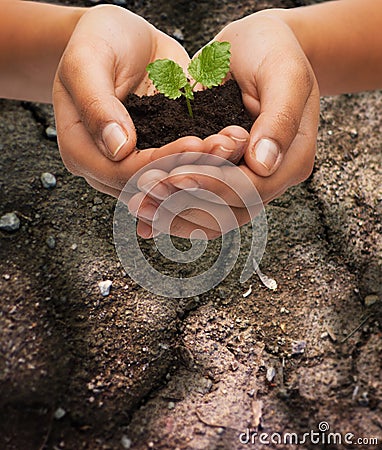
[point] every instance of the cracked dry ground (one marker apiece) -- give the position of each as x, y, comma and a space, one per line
133, 368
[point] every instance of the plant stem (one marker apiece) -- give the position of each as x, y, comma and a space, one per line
189, 95
189, 107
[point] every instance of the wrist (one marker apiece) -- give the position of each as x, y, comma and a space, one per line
33, 37
295, 21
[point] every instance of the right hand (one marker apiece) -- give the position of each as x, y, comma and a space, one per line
280, 91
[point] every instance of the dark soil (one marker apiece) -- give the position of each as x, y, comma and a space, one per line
159, 120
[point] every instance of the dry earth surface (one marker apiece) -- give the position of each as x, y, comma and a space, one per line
133, 370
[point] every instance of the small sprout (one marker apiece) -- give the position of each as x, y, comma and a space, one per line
209, 69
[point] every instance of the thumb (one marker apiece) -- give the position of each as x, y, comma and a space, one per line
118, 136
282, 101
89, 81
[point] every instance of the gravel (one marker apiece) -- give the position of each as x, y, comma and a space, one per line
59, 413
50, 242
48, 180
51, 132
9, 222
104, 287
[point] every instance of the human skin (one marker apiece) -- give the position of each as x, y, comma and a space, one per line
33, 37
86, 60
283, 61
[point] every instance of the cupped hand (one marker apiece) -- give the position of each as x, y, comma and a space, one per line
171, 199
280, 91
104, 61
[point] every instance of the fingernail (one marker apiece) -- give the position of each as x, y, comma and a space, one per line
241, 144
267, 153
237, 139
114, 138
219, 149
185, 183
145, 231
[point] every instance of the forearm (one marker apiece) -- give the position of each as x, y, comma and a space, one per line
33, 37
343, 41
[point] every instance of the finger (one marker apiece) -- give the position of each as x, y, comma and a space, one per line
213, 216
82, 157
97, 106
239, 189
295, 167
229, 144
98, 70
170, 48
243, 188
240, 136
283, 103
229, 184
154, 183
181, 228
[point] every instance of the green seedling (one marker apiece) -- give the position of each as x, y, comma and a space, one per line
209, 69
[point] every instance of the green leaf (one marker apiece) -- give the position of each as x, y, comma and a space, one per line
168, 77
212, 64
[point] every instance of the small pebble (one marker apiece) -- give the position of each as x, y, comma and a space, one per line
252, 392
171, 405
50, 242
9, 222
234, 366
126, 442
104, 287
371, 299
364, 399
271, 373
51, 132
178, 35
59, 413
74, 246
298, 347
48, 180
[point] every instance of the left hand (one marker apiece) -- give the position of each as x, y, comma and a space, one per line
106, 59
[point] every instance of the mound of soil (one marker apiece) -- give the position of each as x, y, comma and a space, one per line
159, 120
